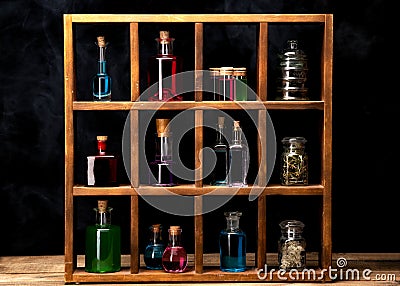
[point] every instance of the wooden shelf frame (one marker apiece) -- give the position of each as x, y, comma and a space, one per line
199, 273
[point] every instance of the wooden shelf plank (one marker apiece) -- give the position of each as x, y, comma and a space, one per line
203, 105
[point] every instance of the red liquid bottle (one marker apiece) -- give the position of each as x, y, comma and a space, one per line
162, 71
174, 259
102, 168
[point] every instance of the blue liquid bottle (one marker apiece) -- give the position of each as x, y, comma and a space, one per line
155, 248
232, 245
101, 85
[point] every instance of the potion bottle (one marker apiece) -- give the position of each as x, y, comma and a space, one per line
232, 244
174, 258
101, 83
103, 242
155, 248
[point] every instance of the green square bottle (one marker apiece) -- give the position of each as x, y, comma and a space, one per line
103, 242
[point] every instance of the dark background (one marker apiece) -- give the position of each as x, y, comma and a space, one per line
365, 160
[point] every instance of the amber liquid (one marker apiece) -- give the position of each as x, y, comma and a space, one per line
162, 71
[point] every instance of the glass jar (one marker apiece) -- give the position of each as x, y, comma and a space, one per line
291, 245
293, 69
294, 162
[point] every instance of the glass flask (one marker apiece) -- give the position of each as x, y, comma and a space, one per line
163, 69
101, 83
174, 259
291, 245
293, 73
232, 244
155, 248
294, 162
103, 242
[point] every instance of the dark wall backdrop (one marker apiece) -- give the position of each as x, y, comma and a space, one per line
365, 163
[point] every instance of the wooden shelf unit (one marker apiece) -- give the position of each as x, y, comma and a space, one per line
198, 272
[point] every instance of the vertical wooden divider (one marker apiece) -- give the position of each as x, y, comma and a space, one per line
327, 54
198, 61
69, 96
262, 67
198, 203
134, 50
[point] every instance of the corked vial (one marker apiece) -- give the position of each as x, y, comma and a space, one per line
101, 41
163, 129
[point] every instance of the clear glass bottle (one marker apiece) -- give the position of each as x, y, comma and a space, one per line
103, 242
226, 84
163, 69
101, 84
294, 70
238, 159
102, 168
221, 149
174, 258
161, 168
240, 76
232, 244
214, 76
292, 245
155, 248
294, 162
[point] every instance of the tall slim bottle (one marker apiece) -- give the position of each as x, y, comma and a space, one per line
103, 242
221, 149
161, 168
163, 69
174, 258
101, 85
238, 158
232, 244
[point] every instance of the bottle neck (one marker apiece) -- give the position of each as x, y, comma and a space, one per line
102, 60
155, 237
220, 134
174, 239
103, 218
292, 233
101, 147
232, 224
165, 47
237, 136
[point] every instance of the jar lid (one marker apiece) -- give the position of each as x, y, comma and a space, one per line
294, 140
291, 223
233, 215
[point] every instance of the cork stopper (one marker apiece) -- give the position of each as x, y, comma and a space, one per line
214, 71
102, 138
164, 37
102, 206
221, 121
101, 42
236, 125
226, 70
156, 227
174, 229
162, 127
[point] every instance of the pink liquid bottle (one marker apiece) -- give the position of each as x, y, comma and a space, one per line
174, 259
162, 71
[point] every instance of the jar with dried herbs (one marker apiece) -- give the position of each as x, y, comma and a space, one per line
291, 245
294, 162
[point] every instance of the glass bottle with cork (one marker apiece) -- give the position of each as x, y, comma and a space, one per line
161, 168
240, 76
102, 168
238, 158
220, 172
163, 69
174, 259
103, 242
294, 162
232, 244
155, 248
101, 83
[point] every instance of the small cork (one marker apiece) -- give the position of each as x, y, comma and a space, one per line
102, 138
101, 42
221, 121
214, 71
226, 71
239, 71
164, 35
162, 127
102, 206
156, 227
236, 125
174, 229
